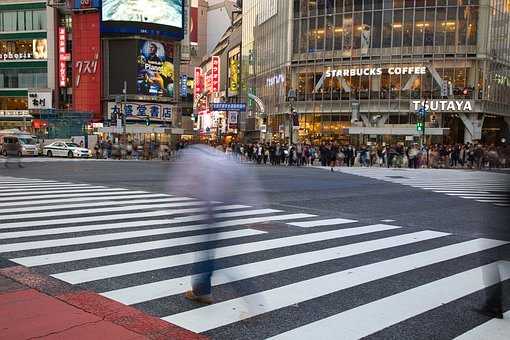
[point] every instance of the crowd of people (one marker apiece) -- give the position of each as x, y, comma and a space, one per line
332, 154
106, 149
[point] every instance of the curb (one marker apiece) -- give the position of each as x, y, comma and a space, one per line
124, 316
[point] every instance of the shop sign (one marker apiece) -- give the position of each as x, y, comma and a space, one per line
40, 100
199, 85
86, 4
228, 107
232, 117
278, 79
138, 110
62, 56
443, 105
376, 71
215, 74
502, 80
84, 67
184, 86
15, 113
233, 88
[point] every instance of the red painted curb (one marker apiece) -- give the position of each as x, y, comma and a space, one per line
109, 310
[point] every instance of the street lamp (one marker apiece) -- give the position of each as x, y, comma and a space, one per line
291, 97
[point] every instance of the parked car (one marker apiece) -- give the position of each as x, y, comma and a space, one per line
10, 146
28, 145
66, 149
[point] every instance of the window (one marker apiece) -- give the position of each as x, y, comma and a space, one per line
9, 21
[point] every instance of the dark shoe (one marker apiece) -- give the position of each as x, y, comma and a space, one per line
331, 169
204, 299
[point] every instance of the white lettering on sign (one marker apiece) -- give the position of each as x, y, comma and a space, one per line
443, 105
376, 71
86, 67
278, 79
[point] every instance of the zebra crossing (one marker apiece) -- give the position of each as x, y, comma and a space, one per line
279, 274
483, 187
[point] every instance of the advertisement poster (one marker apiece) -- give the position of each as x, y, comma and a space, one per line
40, 49
161, 12
234, 72
155, 69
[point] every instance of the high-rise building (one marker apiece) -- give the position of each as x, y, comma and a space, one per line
362, 70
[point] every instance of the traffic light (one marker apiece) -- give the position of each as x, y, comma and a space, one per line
419, 126
147, 121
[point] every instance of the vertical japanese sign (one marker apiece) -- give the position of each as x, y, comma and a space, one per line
184, 86
62, 56
215, 74
199, 86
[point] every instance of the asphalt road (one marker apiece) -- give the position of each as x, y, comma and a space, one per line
293, 190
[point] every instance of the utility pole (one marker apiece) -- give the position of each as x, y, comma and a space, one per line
291, 96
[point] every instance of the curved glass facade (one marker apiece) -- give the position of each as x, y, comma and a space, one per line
353, 64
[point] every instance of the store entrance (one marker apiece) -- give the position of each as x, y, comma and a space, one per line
456, 129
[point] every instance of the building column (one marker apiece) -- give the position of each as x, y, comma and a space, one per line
473, 123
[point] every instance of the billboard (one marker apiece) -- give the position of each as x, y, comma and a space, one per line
24, 49
155, 68
151, 17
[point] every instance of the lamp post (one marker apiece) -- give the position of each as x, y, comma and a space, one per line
291, 97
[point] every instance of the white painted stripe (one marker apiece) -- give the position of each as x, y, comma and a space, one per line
120, 217
463, 192
100, 210
147, 223
66, 188
24, 181
230, 311
399, 307
41, 207
62, 191
69, 256
114, 270
156, 290
39, 186
494, 200
486, 196
117, 197
494, 329
318, 223
502, 205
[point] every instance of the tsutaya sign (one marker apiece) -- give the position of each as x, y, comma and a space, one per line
443, 105
376, 71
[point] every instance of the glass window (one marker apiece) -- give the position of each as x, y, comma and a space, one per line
429, 27
28, 21
408, 28
387, 20
330, 26
39, 19
357, 29
10, 21
451, 26
397, 28
338, 32
376, 35
320, 33
21, 21
420, 27
440, 27
303, 37
472, 18
295, 38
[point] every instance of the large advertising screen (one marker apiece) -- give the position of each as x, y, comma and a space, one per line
155, 68
153, 17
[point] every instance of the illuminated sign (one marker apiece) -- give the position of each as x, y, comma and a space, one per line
84, 67
24, 49
161, 12
63, 57
39, 100
199, 85
443, 105
215, 74
228, 107
233, 88
376, 71
140, 110
278, 79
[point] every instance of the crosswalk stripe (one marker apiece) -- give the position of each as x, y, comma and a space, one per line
44, 207
120, 216
506, 200
463, 193
459, 192
120, 199
494, 329
115, 270
11, 191
90, 189
76, 255
398, 307
101, 210
230, 311
156, 290
502, 205
45, 186
30, 198
318, 223
148, 223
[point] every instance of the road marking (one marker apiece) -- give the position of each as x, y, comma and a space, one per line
388, 221
40, 186
69, 191
13, 200
76, 255
38, 190
147, 223
230, 311
494, 329
121, 199
114, 270
156, 290
318, 223
398, 307
463, 192
123, 217
94, 204
100, 210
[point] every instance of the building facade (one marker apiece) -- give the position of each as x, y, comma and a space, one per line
361, 70
27, 55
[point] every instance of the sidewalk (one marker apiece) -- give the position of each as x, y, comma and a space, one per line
34, 306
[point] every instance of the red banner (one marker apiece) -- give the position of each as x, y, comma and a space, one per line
62, 78
193, 35
215, 74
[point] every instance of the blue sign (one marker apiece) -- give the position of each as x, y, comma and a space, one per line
184, 86
228, 107
86, 4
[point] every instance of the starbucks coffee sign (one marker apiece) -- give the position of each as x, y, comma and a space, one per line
376, 71
443, 105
